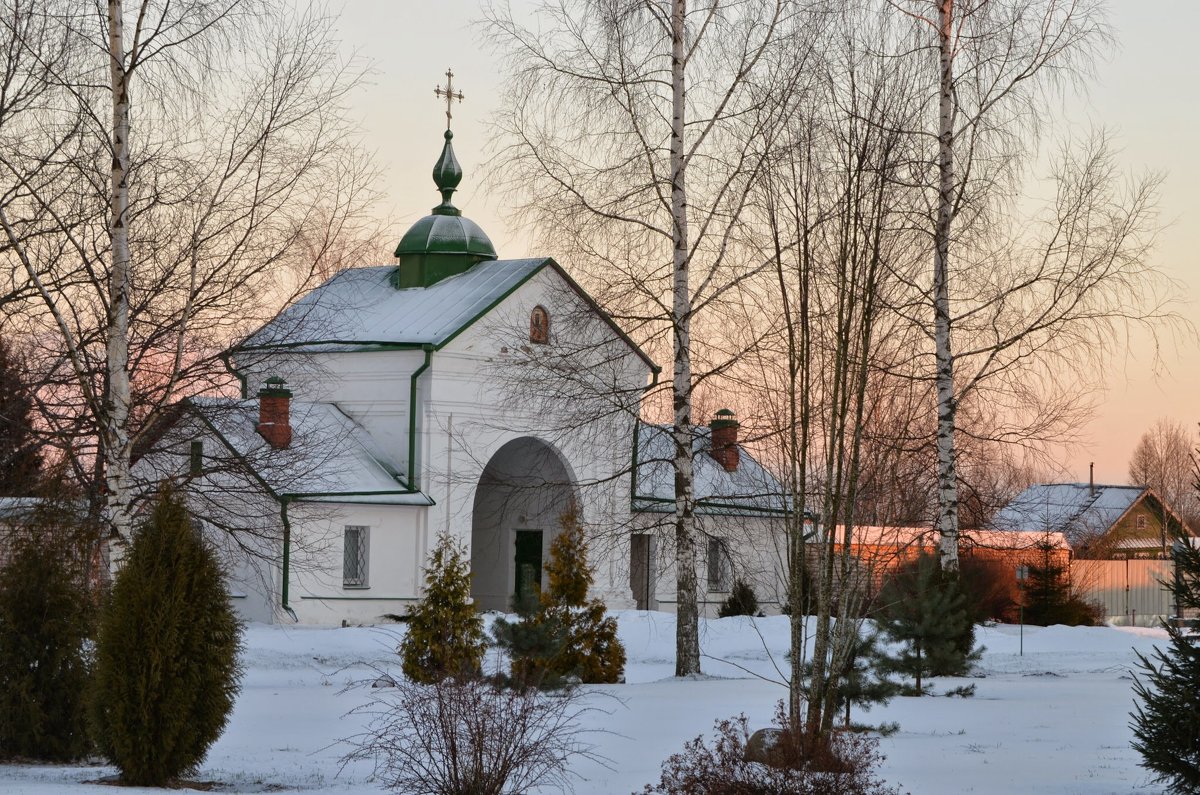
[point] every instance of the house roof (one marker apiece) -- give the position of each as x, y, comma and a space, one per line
749, 490
929, 538
17, 507
360, 309
331, 458
1078, 510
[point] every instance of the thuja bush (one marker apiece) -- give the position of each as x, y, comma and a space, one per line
167, 668
46, 618
445, 635
841, 763
566, 635
742, 601
592, 652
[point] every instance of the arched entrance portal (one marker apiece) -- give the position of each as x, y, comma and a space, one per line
523, 491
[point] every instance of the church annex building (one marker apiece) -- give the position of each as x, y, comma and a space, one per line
454, 392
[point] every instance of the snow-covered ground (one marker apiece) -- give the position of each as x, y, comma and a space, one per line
1052, 721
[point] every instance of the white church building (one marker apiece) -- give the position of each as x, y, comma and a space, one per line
454, 392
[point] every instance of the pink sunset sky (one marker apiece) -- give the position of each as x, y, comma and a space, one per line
1147, 95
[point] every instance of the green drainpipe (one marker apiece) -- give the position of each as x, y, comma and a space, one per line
225, 356
412, 416
287, 556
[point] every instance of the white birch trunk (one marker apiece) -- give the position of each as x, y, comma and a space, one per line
947, 520
113, 420
687, 635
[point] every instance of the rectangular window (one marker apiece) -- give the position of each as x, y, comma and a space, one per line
719, 570
196, 458
1141, 521
355, 553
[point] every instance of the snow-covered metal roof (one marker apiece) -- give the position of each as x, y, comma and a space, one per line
929, 538
17, 507
1078, 510
750, 489
360, 307
331, 458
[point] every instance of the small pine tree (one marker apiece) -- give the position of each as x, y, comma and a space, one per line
166, 657
1166, 721
445, 634
864, 681
45, 621
533, 643
742, 601
1047, 595
926, 611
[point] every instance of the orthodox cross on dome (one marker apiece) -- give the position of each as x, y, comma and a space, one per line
449, 93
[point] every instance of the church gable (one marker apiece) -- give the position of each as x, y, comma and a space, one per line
359, 309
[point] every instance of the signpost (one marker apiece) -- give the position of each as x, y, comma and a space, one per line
1022, 575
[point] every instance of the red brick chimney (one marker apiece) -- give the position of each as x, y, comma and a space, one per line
274, 413
724, 428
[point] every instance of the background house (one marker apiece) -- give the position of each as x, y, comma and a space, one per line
1099, 521
1120, 538
740, 512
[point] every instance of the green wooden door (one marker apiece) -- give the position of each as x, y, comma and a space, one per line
528, 565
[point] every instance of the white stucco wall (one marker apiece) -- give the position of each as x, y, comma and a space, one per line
757, 553
398, 537
474, 398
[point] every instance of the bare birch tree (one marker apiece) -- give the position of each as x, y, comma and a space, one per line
628, 138
1164, 460
833, 206
998, 63
217, 126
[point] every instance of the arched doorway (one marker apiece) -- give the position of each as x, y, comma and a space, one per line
523, 491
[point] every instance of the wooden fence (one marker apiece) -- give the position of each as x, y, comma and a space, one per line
1131, 591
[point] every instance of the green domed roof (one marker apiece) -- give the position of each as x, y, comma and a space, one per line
443, 243
446, 234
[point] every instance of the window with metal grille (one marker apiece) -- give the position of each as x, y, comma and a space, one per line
719, 570
355, 552
1141, 522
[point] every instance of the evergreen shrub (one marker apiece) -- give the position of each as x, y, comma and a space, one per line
742, 601
593, 651
167, 668
46, 619
534, 643
445, 635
